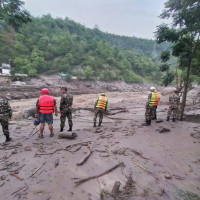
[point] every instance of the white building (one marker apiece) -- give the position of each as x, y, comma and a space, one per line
5, 69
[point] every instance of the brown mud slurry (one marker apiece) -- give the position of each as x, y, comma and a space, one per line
155, 165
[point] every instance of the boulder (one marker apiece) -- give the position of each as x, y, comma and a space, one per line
168, 90
28, 112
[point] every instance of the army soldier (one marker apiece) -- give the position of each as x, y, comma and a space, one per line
174, 101
100, 107
149, 107
65, 109
5, 115
155, 105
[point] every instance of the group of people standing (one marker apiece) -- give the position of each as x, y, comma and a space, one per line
152, 104
46, 106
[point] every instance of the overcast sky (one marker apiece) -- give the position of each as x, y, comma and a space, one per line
122, 17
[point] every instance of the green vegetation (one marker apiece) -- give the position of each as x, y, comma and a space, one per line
13, 14
184, 37
50, 46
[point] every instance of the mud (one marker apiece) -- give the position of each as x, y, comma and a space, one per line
162, 165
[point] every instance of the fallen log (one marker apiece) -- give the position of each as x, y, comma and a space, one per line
84, 158
79, 181
67, 135
37, 169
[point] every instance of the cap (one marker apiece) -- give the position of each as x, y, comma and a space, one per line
103, 94
44, 91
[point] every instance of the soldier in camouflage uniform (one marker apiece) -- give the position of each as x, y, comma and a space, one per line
5, 115
100, 107
66, 109
149, 107
174, 101
154, 110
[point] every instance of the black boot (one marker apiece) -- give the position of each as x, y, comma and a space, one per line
70, 128
174, 120
61, 129
100, 123
94, 124
149, 122
8, 138
146, 123
167, 119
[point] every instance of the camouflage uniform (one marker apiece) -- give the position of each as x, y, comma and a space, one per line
174, 100
5, 114
149, 109
154, 113
100, 112
65, 109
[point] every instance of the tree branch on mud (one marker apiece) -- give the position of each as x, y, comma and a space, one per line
67, 148
18, 177
85, 157
79, 181
37, 169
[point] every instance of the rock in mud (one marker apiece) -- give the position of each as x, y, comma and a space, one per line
28, 112
163, 130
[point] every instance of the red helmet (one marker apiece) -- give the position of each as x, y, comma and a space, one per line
44, 91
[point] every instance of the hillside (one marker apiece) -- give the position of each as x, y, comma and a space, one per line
51, 46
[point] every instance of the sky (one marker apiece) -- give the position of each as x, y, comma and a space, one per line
137, 18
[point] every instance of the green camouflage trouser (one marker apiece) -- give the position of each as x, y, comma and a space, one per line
154, 114
148, 113
174, 111
100, 112
66, 113
4, 124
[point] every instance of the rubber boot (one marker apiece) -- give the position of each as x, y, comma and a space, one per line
8, 138
146, 123
149, 122
61, 129
70, 128
94, 124
174, 120
167, 119
99, 124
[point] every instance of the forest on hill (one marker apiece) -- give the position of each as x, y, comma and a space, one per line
53, 45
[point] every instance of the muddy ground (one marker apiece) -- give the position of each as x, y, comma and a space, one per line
162, 165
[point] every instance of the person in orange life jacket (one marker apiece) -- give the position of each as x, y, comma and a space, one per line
149, 107
100, 107
155, 105
45, 107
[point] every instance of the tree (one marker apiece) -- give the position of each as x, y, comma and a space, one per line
13, 14
183, 35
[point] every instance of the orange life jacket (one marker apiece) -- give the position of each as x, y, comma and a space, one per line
102, 102
154, 99
46, 104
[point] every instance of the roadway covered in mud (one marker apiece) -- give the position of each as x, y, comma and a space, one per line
157, 162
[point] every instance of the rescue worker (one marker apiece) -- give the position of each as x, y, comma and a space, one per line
174, 101
66, 109
100, 107
155, 105
5, 116
149, 107
45, 107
